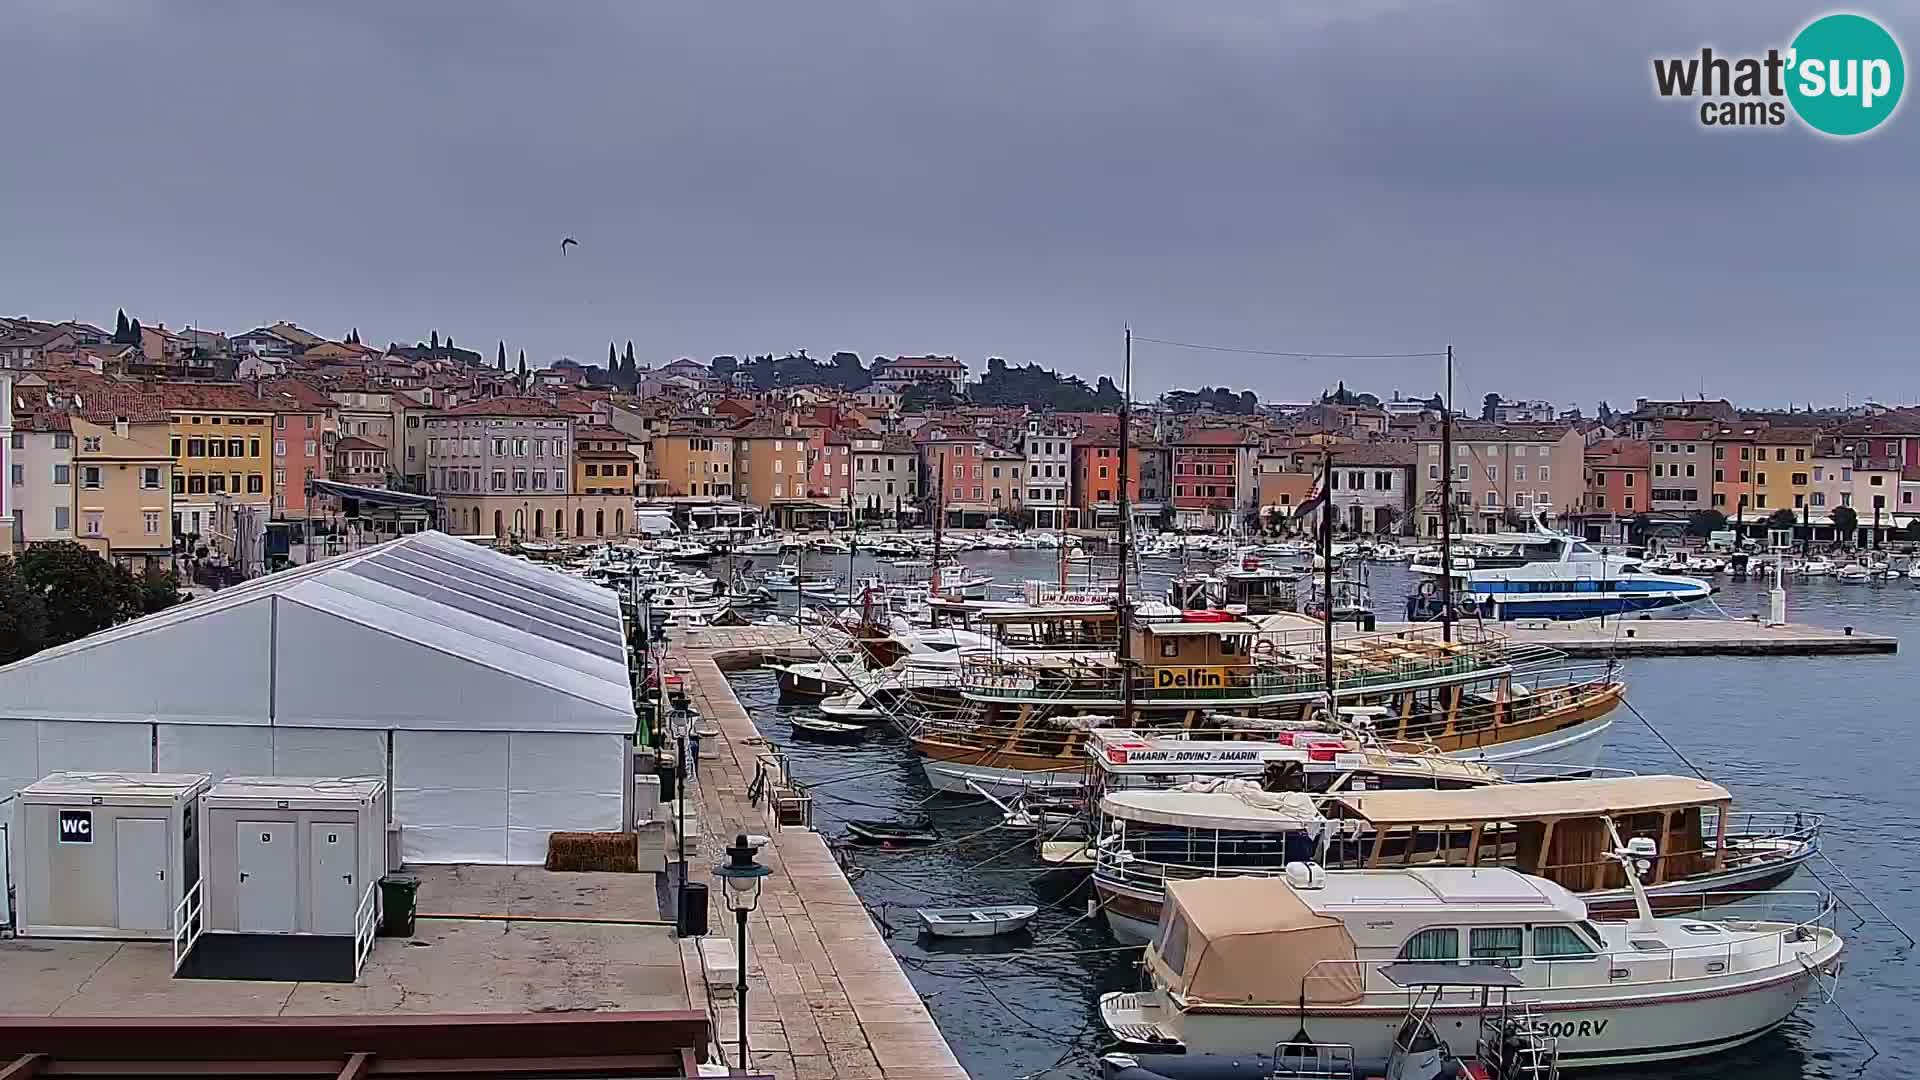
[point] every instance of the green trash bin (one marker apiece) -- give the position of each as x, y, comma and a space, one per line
396, 906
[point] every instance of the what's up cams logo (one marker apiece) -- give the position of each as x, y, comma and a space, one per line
1842, 76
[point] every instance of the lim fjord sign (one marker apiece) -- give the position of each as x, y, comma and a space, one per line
1842, 76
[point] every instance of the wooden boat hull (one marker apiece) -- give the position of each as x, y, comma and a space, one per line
942, 923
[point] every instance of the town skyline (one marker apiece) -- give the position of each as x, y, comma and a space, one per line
852, 179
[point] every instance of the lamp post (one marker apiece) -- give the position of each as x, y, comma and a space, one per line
741, 875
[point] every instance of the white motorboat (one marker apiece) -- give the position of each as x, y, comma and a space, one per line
788, 579
1577, 582
976, 922
819, 678
1852, 574
1238, 959
1816, 567
1913, 572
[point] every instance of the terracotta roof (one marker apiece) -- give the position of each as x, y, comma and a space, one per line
1214, 437
1481, 431
947, 362
42, 421
1789, 436
507, 406
294, 395
355, 442
1619, 454
1896, 422
1685, 429
598, 431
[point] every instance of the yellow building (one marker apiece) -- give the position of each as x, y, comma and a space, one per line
222, 444
1782, 469
769, 465
694, 463
123, 487
602, 463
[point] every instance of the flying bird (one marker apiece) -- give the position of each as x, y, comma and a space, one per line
564, 243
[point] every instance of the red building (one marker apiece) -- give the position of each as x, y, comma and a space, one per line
1213, 475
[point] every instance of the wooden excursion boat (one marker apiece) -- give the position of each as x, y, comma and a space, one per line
1486, 699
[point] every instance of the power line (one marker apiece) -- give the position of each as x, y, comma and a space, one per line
1293, 355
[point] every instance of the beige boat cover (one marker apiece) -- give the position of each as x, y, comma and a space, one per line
1520, 802
1252, 941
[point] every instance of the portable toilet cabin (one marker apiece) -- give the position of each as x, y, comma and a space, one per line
293, 868
105, 854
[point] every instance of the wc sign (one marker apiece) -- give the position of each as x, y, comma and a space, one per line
76, 826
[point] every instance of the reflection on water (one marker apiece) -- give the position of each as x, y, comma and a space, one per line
1824, 735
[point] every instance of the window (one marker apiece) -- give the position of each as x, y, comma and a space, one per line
255, 484
1799, 454
62, 440
279, 448
1560, 943
92, 524
90, 443
1440, 943
233, 483
1719, 453
1629, 479
1760, 479
280, 421
19, 474
1499, 946
280, 479
238, 448
90, 477
1689, 468
499, 480
62, 518
1627, 503
1846, 498
196, 485
1600, 502
1544, 478
1433, 472
215, 448
179, 483
1719, 476
1846, 473
309, 448
1874, 480
153, 522
173, 444
150, 478
1520, 473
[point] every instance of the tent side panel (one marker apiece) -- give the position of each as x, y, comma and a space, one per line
222, 750
562, 783
450, 795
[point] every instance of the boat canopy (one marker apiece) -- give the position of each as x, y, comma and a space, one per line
1519, 802
1251, 940
1235, 810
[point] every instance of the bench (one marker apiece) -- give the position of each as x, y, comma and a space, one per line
720, 964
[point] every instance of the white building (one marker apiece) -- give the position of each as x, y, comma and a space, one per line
1049, 446
490, 694
40, 478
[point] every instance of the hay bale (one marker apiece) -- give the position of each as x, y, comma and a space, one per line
608, 852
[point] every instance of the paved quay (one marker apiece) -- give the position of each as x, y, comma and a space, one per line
1596, 638
826, 998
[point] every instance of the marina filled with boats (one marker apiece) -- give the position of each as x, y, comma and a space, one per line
1272, 813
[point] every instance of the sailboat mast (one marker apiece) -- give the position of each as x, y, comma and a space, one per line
1326, 554
1446, 507
939, 521
1125, 650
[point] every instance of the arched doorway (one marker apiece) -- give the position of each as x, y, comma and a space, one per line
579, 523
539, 523
619, 522
499, 528
520, 522
599, 523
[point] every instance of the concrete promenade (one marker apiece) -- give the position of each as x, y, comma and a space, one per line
826, 998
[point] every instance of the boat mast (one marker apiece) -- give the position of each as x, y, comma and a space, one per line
939, 519
1123, 609
1326, 553
1446, 507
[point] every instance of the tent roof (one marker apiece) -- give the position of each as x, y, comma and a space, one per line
425, 632
1213, 810
1511, 802
1252, 940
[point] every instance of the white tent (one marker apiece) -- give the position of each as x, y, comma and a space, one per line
491, 694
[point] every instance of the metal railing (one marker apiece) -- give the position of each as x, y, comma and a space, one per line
188, 924
1750, 945
365, 918
1313, 1061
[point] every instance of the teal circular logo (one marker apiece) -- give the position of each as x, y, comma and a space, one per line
1845, 75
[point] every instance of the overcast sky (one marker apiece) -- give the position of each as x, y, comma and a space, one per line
980, 177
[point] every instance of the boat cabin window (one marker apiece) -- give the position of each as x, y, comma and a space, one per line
1560, 943
1438, 943
1497, 946
1169, 647
1233, 646
1172, 943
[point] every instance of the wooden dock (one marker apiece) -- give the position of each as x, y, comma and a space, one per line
826, 998
1596, 638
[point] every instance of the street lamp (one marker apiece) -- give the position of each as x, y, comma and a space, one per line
741, 875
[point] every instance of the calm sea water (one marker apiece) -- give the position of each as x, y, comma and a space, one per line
1819, 735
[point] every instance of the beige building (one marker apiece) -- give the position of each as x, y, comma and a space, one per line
123, 486
769, 466
694, 462
1501, 470
502, 466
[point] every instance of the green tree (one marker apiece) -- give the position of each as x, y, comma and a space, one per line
629, 370
120, 328
1782, 519
23, 615
523, 369
1912, 531
433, 341
613, 359
1845, 521
133, 333
500, 360
927, 395
79, 590
159, 590
1490, 407
1704, 523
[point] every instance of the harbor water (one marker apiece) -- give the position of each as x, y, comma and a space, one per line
1821, 735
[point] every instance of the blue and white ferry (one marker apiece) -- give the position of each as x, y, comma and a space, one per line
1574, 581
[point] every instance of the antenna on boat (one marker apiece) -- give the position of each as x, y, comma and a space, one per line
1125, 651
1446, 507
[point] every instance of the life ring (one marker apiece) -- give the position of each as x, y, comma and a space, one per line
1469, 605
1265, 648
1427, 589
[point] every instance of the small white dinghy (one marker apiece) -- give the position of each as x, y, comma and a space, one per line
976, 922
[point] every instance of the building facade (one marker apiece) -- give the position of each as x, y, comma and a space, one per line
1048, 442
1680, 462
40, 477
222, 444
502, 466
123, 488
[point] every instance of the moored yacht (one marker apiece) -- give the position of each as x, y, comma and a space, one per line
1577, 582
1246, 962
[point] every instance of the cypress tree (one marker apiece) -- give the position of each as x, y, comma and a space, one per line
613, 362
133, 333
523, 368
501, 363
120, 328
434, 341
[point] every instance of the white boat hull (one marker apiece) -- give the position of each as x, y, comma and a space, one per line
1626, 1025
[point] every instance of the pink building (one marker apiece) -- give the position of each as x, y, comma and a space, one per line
302, 432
